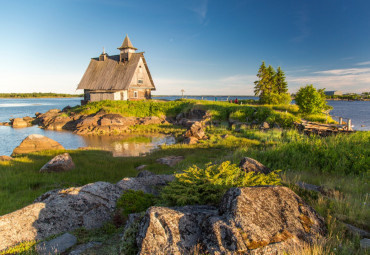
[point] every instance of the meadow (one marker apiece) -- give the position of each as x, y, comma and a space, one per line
339, 164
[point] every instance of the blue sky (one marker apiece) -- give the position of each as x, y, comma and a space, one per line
202, 46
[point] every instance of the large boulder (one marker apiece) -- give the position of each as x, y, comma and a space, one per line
58, 211
36, 142
19, 123
173, 230
59, 163
252, 220
252, 165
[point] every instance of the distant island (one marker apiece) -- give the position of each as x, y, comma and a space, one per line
37, 95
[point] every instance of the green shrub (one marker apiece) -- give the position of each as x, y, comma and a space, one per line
207, 185
311, 100
134, 201
275, 98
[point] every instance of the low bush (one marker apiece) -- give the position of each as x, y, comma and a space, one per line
207, 185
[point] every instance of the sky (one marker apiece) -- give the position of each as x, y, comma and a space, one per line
205, 47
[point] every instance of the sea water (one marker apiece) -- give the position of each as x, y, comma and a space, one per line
358, 111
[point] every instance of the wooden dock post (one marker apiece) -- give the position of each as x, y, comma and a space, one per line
349, 125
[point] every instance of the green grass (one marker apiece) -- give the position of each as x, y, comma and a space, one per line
338, 163
283, 115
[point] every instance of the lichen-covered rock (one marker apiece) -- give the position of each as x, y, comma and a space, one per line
252, 165
148, 183
59, 211
34, 143
263, 220
172, 230
59, 163
252, 220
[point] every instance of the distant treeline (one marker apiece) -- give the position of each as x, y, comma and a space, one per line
37, 94
365, 95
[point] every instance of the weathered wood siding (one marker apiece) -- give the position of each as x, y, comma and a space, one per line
108, 95
141, 94
141, 73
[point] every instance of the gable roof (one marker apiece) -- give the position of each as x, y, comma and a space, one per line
111, 74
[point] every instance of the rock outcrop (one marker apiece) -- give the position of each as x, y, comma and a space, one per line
59, 163
59, 211
34, 143
56, 245
145, 182
252, 165
19, 123
196, 130
5, 158
253, 220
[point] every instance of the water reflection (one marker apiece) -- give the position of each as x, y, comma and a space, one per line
128, 145
121, 146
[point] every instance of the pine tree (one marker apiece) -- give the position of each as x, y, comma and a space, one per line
271, 74
281, 84
261, 84
271, 86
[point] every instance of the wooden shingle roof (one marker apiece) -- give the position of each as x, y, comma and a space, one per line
111, 74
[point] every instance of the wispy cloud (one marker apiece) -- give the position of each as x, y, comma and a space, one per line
200, 8
363, 63
348, 80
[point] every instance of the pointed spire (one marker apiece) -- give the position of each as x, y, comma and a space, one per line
127, 44
103, 50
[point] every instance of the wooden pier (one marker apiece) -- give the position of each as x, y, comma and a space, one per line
321, 129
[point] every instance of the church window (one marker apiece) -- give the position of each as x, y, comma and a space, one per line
140, 81
135, 94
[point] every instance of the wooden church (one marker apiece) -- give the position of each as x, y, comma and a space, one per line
119, 77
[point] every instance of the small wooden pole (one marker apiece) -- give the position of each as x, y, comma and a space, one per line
349, 125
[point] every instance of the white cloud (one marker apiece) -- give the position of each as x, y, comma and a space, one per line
347, 80
363, 63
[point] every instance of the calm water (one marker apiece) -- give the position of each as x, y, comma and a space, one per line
10, 138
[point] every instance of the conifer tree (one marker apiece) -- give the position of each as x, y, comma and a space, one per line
281, 84
261, 85
271, 86
271, 74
